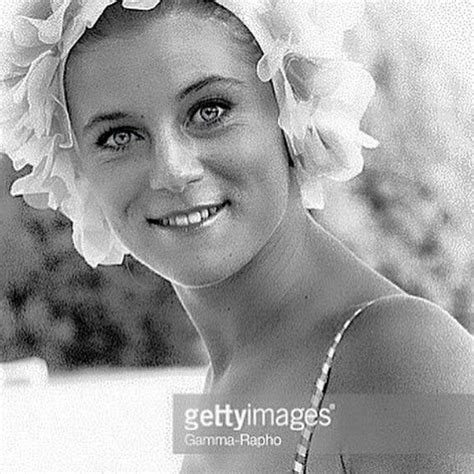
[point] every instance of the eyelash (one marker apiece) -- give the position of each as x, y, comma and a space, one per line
224, 105
104, 137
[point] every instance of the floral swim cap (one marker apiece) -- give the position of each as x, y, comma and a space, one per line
321, 96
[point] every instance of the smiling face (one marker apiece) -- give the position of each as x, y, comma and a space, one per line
174, 122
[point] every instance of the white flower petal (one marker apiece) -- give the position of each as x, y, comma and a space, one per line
32, 151
140, 4
367, 141
311, 189
37, 201
272, 61
24, 33
315, 158
91, 11
92, 235
355, 89
264, 69
341, 139
49, 31
40, 96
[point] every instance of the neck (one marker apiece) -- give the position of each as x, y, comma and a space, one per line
240, 314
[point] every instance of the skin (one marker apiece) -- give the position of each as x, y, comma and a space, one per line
266, 287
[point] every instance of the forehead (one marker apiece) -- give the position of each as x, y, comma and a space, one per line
166, 57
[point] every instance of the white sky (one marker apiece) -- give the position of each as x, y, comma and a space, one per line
6, 6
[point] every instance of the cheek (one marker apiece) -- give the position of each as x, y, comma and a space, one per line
267, 161
115, 188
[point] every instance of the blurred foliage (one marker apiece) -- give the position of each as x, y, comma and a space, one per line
408, 214
54, 306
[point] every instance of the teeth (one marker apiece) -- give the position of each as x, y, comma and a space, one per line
182, 220
193, 218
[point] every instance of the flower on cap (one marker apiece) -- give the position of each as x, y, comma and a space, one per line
322, 96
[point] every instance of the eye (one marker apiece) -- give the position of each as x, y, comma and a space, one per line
118, 138
209, 113
121, 138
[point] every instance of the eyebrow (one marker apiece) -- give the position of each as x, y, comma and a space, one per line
196, 86
110, 117
206, 81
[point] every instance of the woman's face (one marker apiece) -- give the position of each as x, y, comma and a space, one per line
171, 123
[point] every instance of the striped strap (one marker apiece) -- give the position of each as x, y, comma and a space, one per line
302, 448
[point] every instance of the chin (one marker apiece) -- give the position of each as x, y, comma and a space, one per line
199, 275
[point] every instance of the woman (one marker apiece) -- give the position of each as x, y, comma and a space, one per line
159, 133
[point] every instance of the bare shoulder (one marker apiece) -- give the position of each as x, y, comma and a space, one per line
403, 343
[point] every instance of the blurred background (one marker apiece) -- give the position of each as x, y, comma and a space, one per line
409, 214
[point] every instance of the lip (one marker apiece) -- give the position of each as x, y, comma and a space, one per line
191, 228
189, 210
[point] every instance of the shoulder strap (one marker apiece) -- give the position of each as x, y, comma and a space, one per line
319, 389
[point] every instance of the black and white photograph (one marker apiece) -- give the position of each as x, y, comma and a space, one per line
236, 236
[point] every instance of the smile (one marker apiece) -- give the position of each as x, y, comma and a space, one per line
193, 219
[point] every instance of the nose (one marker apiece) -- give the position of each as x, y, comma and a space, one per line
176, 164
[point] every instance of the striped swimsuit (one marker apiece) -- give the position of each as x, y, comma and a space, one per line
302, 449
